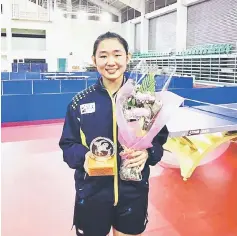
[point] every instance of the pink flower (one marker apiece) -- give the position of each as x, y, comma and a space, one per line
144, 97
137, 113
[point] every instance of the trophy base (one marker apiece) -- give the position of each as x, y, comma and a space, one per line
101, 168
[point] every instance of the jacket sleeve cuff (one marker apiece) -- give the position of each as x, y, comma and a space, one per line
75, 155
156, 152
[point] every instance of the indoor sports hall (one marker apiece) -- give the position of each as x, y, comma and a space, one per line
188, 48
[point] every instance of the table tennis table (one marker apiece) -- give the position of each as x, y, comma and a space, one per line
196, 131
197, 120
54, 77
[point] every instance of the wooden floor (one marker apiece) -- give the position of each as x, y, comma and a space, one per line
38, 190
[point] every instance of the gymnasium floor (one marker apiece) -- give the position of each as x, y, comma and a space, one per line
38, 190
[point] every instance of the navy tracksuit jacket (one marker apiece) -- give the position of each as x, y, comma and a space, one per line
90, 115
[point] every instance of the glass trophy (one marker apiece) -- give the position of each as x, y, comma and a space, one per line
102, 159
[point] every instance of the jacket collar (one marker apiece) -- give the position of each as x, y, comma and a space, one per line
102, 87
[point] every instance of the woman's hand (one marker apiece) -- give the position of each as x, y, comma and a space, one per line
136, 159
87, 156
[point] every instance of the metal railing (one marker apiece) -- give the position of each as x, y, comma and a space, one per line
41, 14
89, 9
79, 7
217, 68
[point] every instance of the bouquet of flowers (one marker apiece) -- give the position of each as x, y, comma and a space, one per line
142, 113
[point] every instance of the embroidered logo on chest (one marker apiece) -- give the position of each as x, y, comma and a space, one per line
87, 108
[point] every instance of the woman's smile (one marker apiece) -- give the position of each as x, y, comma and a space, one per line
111, 70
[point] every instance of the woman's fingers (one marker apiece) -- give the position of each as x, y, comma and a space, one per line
137, 153
142, 167
139, 163
135, 161
128, 153
137, 158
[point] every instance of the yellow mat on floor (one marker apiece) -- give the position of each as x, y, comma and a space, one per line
192, 149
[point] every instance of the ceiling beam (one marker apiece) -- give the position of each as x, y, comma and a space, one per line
106, 7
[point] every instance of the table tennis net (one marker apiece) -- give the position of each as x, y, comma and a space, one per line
225, 111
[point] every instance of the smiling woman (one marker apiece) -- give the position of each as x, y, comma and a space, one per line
107, 201
110, 56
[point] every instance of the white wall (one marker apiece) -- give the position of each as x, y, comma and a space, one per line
4, 63
77, 37
137, 36
162, 32
28, 44
176, 33
62, 37
4, 17
128, 32
3, 44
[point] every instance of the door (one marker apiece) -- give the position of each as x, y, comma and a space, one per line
62, 64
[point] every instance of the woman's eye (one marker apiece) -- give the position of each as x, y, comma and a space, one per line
118, 55
102, 56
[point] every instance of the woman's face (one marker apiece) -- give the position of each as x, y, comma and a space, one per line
111, 59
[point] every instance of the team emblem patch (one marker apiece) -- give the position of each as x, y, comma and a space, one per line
87, 108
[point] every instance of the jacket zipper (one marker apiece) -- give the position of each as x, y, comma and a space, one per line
115, 156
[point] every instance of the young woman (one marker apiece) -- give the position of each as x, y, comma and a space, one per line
103, 202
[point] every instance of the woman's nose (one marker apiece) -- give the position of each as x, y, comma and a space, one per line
111, 61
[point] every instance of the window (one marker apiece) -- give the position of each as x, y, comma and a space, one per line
169, 2
152, 5
124, 16
115, 18
129, 13
137, 13
160, 4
